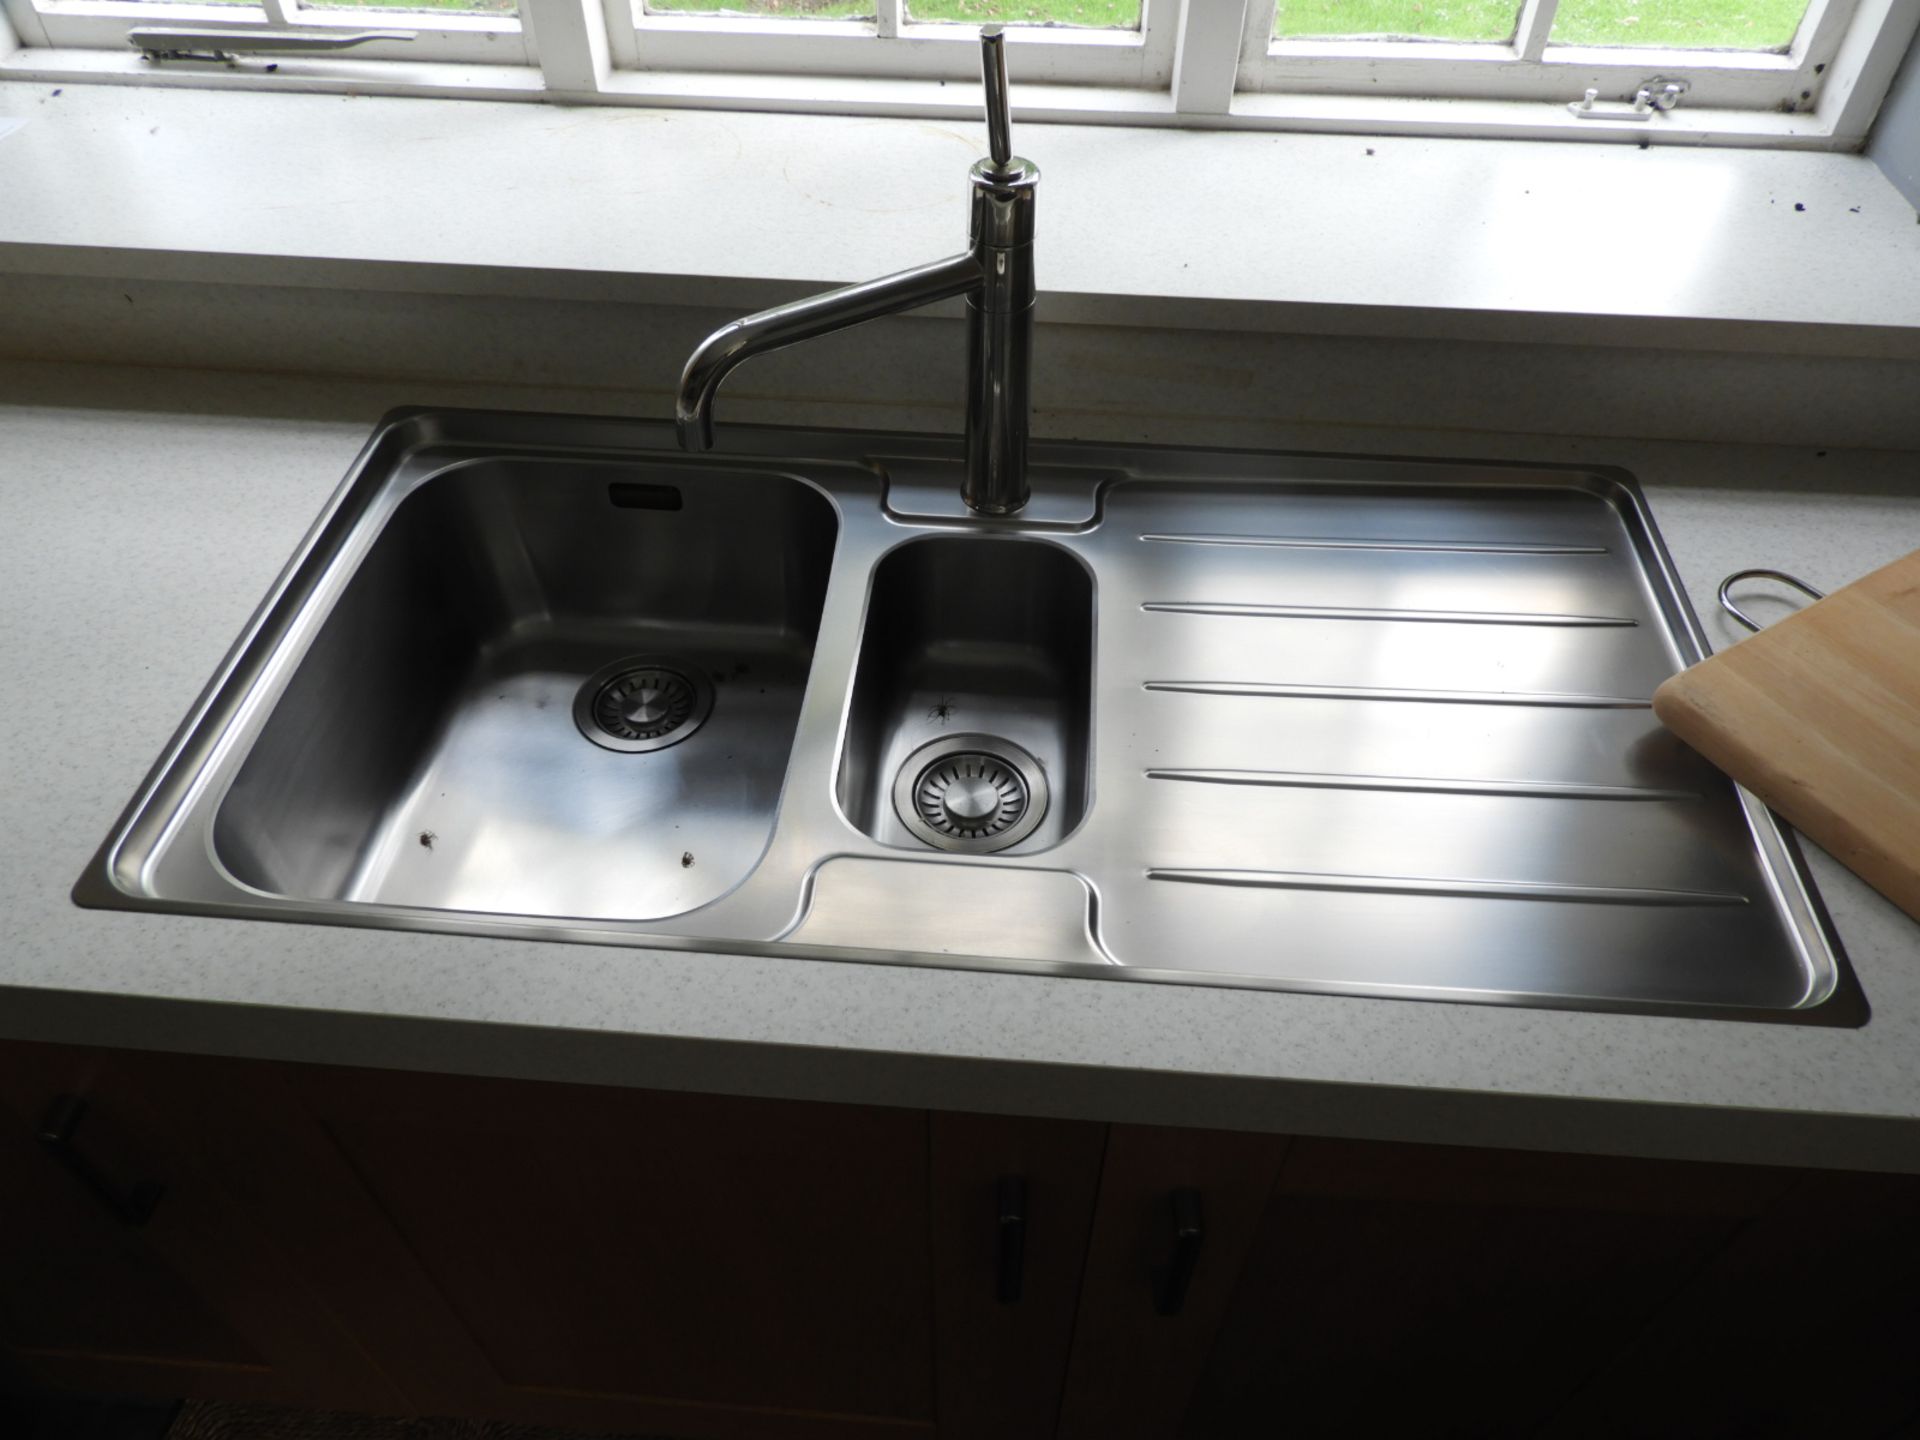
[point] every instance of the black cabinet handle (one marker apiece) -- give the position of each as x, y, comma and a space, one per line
1170, 1284
1011, 1197
132, 1203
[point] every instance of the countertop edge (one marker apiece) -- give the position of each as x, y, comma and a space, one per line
987, 1085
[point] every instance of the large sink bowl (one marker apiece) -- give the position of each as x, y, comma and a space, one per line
428, 750
1361, 727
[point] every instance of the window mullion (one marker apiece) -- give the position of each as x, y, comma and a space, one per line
1536, 24
570, 37
1206, 55
24, 23
281, 14
1864, 65
1256, 41
1822, 28
887, 16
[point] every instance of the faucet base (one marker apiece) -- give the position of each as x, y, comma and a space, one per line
999, 371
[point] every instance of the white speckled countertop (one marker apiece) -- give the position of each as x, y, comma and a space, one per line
144, 513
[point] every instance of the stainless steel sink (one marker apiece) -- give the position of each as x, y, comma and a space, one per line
1365, 727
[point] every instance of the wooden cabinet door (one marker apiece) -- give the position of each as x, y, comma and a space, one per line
1177, 1212
686, 1264
1807, 1325
1435, 1291
126, 1268
1012, 1207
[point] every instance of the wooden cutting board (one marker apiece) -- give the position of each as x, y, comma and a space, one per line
1819, 715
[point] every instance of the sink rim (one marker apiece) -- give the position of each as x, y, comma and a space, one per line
836, 464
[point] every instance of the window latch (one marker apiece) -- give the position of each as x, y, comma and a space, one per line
226, 44
1653, 97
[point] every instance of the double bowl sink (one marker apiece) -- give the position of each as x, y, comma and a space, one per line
1352, 726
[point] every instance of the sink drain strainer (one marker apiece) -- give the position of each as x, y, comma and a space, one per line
643, 703
970, 793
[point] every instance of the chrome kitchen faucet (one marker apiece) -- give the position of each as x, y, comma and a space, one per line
995, 273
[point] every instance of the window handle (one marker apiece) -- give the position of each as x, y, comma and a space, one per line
132, 1203
1011, 1258
209, 42
1171, 1282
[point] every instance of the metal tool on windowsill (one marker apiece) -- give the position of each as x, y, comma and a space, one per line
225, 44
1819, 715
1653, 97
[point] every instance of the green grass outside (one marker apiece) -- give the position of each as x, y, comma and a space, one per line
459, 7
1684, 24
1687, 24
778, 9
1413, 19
1098, 13
1121, 14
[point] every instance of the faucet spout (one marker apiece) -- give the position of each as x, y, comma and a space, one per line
799, 320
995, 274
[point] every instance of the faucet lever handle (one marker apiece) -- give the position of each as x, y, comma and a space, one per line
993, 71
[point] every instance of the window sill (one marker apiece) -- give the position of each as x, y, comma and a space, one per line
1672, 246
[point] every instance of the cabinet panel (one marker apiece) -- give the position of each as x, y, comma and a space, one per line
79, 1281
1807, 1325
703, 1266
1012, 1207
189, 1300
1406, 1289
639, 1258
1133, 1367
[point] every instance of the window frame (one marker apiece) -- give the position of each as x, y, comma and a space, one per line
1528, 66
438, 35
891, 45
1200, 63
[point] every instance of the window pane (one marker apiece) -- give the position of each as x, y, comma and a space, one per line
1688, 24
1103, 14
778, 9
1489, 20
418, 7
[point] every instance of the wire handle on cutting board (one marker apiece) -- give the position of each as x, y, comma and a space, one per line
1726, 587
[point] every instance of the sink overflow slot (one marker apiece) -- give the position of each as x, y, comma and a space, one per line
631, 495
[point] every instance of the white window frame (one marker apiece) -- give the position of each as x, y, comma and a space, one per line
1200, 63
438, 35
892, 45
1528, 66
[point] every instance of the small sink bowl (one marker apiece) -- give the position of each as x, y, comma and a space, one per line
976, 665
549, 689
1349, 726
